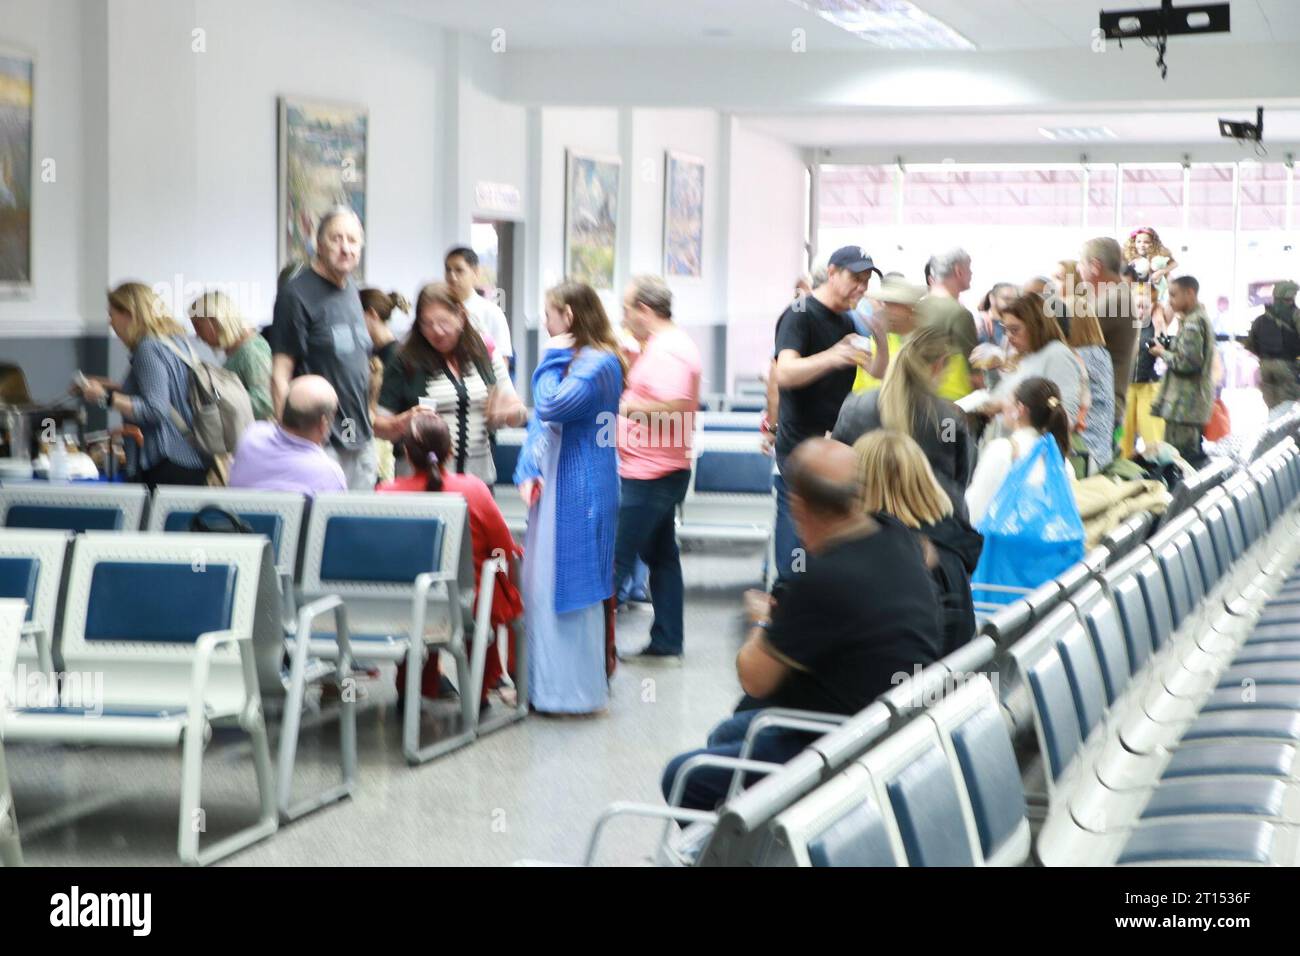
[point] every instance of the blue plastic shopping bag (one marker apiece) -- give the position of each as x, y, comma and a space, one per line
1032, 531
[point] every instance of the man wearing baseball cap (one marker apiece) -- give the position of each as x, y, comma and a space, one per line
1275, 339
817, 355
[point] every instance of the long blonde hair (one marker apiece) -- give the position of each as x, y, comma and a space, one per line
149, 317
897, 479
908, 380
218, 307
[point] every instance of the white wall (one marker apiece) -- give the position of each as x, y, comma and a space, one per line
51, 30
688, 131
766, 244
167, 160
584, 130
493, 136
192, 138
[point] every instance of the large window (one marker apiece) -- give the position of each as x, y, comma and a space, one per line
1232, 225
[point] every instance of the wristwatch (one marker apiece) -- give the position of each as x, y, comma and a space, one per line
107, 400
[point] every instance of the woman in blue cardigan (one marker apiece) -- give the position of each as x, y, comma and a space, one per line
568, 476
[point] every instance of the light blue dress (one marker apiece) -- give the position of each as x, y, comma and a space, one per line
568, 568
566, 652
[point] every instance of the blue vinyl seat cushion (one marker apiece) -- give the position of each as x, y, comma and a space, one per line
64, 518
1086, 682
928, 810
1276, 672
1269, 724
1107, 635
1054, 703
857, 838
1155, 592
1259, 797
261, 522
1131, 608
168, 603
1254, 757
18, 577
1226, 841
1262, 652
1280, 696
733, 473
380, 549
505, 457
988, 765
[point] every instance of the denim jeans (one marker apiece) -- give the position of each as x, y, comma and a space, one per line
707, 787
786, 540
638, 580
647, 512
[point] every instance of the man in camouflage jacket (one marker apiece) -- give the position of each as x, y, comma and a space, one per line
1186, 395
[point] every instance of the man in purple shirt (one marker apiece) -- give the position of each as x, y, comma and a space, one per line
288, 455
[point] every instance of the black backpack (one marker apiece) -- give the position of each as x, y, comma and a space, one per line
215, 520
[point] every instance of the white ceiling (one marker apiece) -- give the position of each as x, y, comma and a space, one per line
993, 25
855, 129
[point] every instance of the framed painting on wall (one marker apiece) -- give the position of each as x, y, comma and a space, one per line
683, 214
590, 217
322, 165
16, 69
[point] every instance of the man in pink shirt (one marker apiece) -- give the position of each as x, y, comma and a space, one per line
656, 429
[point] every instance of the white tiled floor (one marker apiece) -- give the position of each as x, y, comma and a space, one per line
530, 791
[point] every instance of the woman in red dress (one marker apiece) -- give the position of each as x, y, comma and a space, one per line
428, 448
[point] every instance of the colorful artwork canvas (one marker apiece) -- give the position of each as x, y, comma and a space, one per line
683, 215
590, 218
15, 171
322, 165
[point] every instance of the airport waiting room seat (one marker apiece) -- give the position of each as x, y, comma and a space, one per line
75, 506
403, 566
31, 570
168, 622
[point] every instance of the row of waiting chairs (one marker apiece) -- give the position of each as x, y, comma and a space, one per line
911, 782
730, 498
378, 577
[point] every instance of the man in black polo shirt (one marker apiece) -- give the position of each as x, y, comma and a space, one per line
320, 329
817, 357
842, 632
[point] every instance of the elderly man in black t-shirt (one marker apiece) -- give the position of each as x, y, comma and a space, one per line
818, 354
852, 624
319, 329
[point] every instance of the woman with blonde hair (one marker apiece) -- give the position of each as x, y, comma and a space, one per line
907, 402
568, 476
219, 325
897, 480
445, 361
156, 392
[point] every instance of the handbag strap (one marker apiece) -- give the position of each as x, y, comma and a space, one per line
191, 361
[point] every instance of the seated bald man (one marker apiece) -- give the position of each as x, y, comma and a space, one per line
288, 455
860, 613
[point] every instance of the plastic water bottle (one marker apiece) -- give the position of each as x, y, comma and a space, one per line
58, 460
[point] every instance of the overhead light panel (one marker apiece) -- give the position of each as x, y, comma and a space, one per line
1077, 134
893, 24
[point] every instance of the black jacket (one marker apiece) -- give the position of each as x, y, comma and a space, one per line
959, 546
